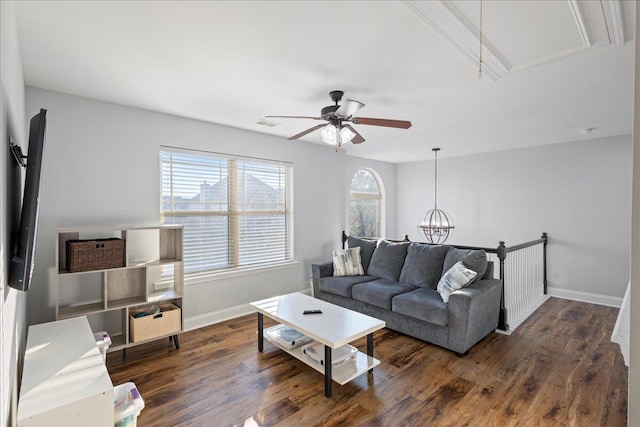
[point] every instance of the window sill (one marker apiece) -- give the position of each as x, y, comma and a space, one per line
195, 278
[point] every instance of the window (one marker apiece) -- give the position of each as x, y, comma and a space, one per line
236, 211
365, 205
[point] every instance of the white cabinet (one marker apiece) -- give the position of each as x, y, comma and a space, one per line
152, 274
64, 380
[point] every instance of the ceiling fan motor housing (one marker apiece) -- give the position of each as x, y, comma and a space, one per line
327, 112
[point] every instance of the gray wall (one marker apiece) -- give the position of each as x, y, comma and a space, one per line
578, 192
101, 168
12, 123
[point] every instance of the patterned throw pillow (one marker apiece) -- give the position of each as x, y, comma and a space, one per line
346, 262
457, 277
475, 260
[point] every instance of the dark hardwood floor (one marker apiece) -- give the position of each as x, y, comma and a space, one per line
558, 369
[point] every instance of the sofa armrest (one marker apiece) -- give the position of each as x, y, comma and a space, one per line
319, 271
473, 313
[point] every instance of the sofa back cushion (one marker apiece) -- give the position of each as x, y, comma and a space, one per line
366, 249
387, 260
488, 274
423, 265
474, 259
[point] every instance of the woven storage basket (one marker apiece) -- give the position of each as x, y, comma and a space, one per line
168, 321
98, 254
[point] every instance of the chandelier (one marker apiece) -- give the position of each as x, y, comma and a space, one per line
436, 225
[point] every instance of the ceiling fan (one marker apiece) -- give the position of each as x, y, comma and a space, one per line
338, 130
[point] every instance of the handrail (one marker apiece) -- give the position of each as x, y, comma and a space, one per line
507, 249
527, 244
501, 251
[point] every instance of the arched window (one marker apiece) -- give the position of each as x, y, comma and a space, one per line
365, 206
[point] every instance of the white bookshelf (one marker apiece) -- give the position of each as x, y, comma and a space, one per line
153, 274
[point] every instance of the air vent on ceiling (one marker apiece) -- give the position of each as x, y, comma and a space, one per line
268, 123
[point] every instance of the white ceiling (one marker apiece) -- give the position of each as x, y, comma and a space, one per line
550, 67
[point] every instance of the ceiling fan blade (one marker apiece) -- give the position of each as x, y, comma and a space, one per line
303, 133
402, 124
358, 139
294, 117
349, 108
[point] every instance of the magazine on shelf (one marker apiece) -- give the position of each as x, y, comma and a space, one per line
285, 336
339, 356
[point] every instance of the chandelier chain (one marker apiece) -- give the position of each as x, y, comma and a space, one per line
435, 201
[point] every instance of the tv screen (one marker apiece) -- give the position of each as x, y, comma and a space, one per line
22, 260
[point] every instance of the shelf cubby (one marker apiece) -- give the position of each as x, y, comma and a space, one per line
67, 311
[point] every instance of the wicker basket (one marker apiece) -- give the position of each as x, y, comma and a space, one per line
167, 322
98, 254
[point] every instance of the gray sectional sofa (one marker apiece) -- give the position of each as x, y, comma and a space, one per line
399, 287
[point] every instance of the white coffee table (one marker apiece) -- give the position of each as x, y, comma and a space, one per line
335, 327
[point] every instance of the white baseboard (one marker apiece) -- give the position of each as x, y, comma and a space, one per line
218, 316
585, 297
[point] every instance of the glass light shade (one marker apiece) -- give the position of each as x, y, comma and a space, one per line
437, 226
329, 135
347, 135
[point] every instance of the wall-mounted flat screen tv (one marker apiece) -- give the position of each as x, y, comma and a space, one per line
22, 259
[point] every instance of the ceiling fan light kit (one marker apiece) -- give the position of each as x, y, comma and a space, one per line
338, 131
436, 225
331, 136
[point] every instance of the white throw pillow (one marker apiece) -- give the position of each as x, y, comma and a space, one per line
346, 262
455, 278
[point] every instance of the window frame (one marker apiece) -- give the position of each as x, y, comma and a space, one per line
233, 212
360, 196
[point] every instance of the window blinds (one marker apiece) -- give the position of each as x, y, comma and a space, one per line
236, 211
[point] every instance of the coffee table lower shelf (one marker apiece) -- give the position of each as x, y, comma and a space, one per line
341, 374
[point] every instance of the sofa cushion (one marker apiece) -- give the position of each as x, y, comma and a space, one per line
455, 278
423, 304
423, 265
387, 260
366, 249
379, 292
346, 262
341, 285
474, 259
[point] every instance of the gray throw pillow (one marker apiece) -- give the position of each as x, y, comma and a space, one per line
387, 260
474, 259
366, 246
423, 265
